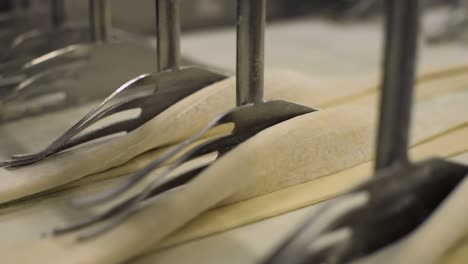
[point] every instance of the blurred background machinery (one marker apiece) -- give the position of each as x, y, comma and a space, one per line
202, 14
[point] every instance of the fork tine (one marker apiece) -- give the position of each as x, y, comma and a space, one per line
92, 220
9, 82
126, 207
330, 247
114, 128
325, 221
24, 159
54, 58
63, 142
140, 175
116, 220
83, 122
28, 86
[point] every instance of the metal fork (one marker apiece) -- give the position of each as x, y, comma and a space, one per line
369, 217
36, 77
250, 117
41, 41
59, 53
33, 52
172, 83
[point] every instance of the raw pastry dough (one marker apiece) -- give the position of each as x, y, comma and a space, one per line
458, 254
178, 122
305, 194
427, 91
332, 140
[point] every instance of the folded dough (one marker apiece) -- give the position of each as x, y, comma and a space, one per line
448, 119
301, 195
329, 141
176, 123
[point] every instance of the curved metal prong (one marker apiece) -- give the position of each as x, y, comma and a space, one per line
112, 129
73, 140
8, 84
128, 206
92, 220
132, 205
301, 246
86, 121
27, 87
140, 175
59, 57
329, 248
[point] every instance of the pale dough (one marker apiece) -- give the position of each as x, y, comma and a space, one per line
305, 194
178, 122
426, 115
427, 91
458, 254
332, 140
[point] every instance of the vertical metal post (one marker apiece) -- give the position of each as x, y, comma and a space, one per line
251, 18
401, 40
100, 20
168, 34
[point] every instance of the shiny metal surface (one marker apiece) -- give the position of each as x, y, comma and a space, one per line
401, 29
168, 34
251, 18
100, 20
39, 41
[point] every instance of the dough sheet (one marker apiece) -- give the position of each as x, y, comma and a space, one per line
222, 183
176, 123
333, 141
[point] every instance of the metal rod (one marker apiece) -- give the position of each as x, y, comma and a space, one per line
100, 20
57, 10
251, 17
402, 21
168, 34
